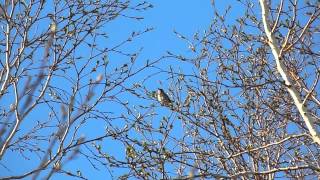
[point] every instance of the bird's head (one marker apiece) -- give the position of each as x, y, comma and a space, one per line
160, 91
159, 94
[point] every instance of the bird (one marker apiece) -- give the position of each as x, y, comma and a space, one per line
163, 98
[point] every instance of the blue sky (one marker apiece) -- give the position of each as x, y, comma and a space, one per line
184, 16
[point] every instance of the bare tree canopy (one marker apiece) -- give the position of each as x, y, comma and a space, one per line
242, 102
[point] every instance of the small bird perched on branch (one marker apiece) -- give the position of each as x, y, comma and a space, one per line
163, 98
